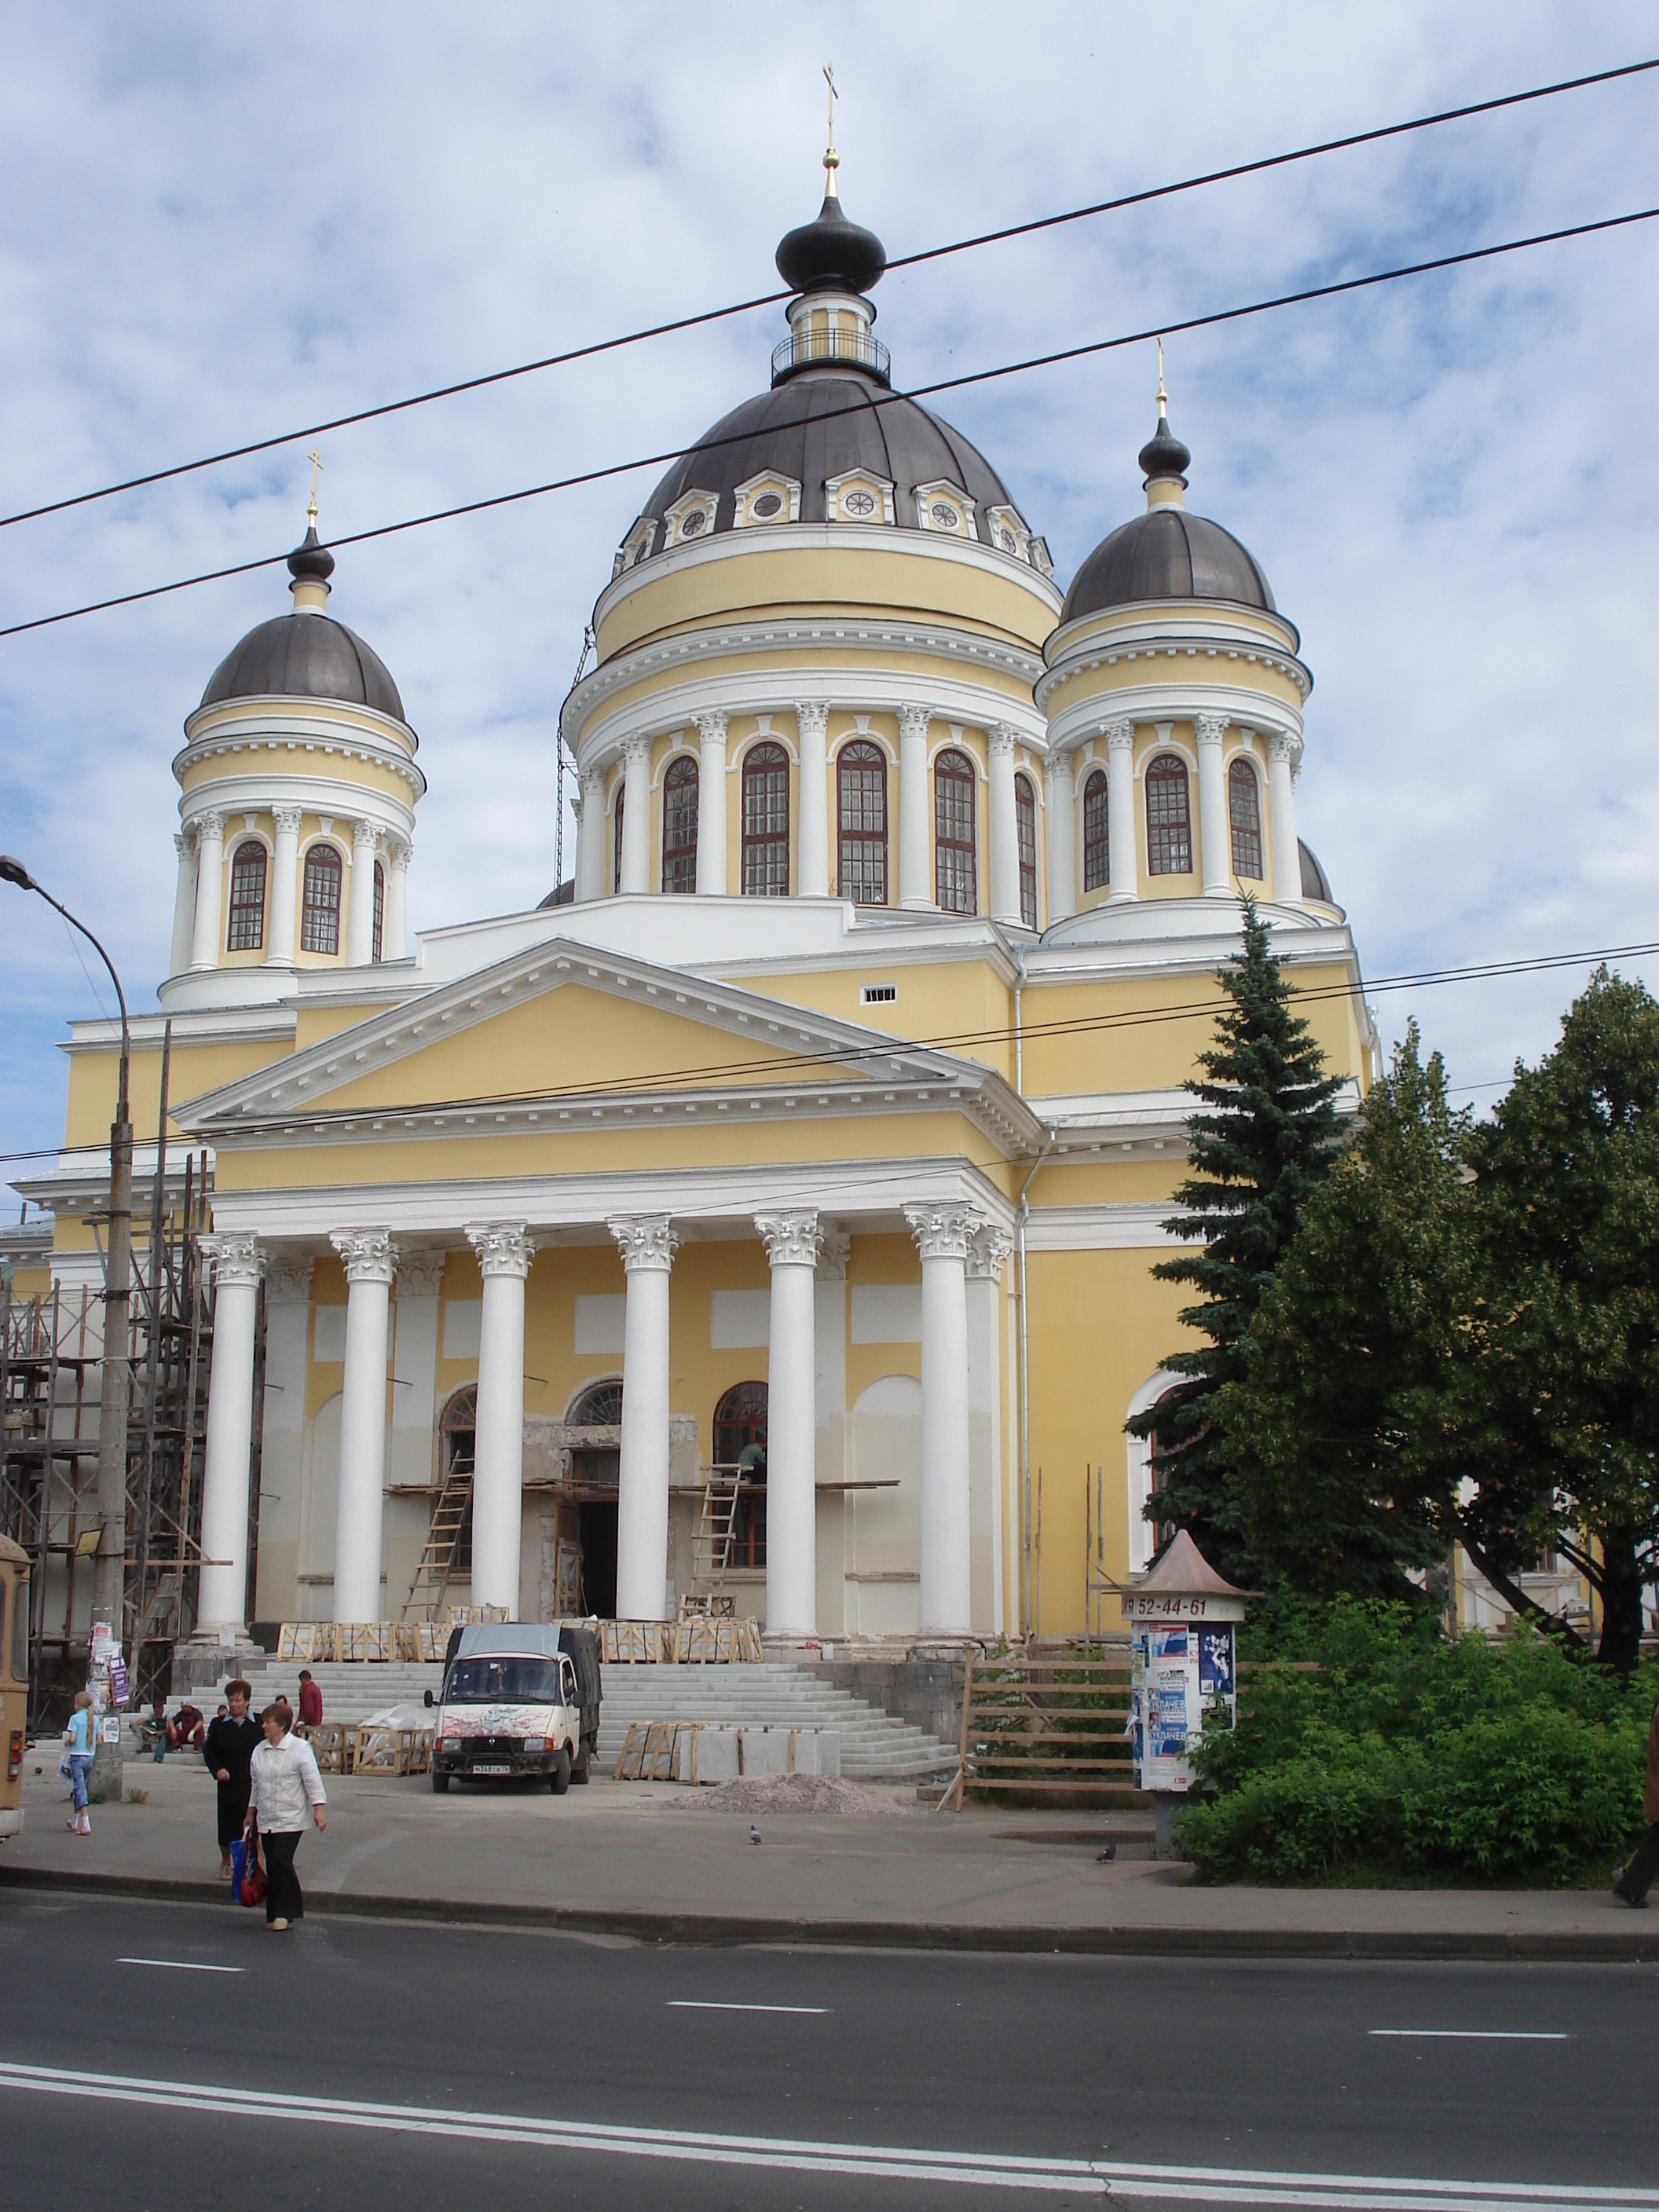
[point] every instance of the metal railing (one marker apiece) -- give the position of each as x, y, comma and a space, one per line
818, 349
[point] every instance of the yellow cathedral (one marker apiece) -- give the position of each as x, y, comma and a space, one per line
823, 1125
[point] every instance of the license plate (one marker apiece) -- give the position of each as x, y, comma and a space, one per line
490, 1769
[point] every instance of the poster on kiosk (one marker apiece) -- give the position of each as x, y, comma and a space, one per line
1183, 1620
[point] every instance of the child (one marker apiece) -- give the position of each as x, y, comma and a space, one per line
82, 1745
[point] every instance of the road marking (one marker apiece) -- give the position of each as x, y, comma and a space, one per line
707, 2004
1476, 2034
182, 1965
1182, 2184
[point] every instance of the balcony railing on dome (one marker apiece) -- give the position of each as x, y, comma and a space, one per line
811, 349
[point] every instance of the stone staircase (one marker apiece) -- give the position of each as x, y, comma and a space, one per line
874, 1746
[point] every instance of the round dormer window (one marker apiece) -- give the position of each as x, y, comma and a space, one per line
767, 505
942, 517
1006, 539
860, 502
694, 523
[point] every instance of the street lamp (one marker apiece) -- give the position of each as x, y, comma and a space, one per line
110, 1565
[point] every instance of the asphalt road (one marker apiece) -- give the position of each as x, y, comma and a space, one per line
552, 2071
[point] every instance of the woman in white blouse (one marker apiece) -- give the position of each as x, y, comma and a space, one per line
286, 1789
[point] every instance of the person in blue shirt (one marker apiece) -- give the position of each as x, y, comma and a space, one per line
82, 1745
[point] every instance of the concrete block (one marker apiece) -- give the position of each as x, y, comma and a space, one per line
829, 1751
715, 1754
765, 1750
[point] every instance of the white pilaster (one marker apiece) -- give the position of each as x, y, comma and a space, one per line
394, 937
915, 856
371, 1260
415, 1366
209, 888
281, 1449
790, 1239
183, 903
711, 804
1123, 858
1059, 776
1283, 753
1005, 827
812, 725
590, 837
636, 815
360, 911
504, 1255
646, 1242
1215, 832
830, 1453
941, 1233
987, 1251
221, 1600
284, 886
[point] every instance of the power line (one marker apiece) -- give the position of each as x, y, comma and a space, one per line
875, 399
772, 298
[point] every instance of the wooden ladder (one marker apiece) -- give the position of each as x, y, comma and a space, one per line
443, 1540
711, 1546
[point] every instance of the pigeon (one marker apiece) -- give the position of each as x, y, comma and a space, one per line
1105, 1857
754, 1833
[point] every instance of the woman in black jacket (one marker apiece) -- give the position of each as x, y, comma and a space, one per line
228, 1750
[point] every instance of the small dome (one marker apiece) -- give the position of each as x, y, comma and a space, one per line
1315, 884
1167, 554
305, 656
831, 254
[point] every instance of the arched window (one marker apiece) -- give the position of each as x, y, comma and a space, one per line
766, 822
679, 825
861, 800
319, 917
956, 874
1169, 822
247, 897
1096, 843
616, 840
596, 1465
1025, 828
1244, 812
380, 913
740, 1442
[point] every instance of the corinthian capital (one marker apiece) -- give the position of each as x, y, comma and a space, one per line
646, 1241
637, 749
791, 1238
503, 1247
287, 820
593, 784
1121, 736
1210, 729
987, 1250
288, 1279
235, 1256
1003, 739
369, 1254
811, 720
914, 722
711, 726
420, 1274
210, 827
942, 1232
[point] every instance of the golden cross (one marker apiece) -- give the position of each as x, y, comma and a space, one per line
829, 79
316, 460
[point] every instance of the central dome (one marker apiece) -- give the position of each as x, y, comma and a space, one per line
819, 426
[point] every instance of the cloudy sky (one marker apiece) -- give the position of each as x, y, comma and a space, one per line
220, 224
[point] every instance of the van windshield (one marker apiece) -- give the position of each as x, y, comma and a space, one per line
502, 1679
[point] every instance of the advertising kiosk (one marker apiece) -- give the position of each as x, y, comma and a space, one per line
1182, 1621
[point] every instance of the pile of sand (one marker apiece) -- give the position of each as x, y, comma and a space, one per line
790, 1792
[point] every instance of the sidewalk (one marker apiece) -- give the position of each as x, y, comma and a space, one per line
615, 1858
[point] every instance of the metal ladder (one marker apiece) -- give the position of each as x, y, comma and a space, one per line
443, 1539
711, 1546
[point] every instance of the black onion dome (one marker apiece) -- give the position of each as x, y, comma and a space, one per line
831, 255
1167, 554
1164, 454
820, 426
305, 656
311, 561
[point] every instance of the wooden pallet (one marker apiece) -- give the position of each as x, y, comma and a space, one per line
331, 1746
701, 1641
391, 1750
647, 1753
1044, 1724
638, 1643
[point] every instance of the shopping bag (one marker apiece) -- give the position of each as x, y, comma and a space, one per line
238, 1860
253, 1875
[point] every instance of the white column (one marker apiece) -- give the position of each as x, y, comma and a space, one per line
359, 910
1214, 831
1122, 848
646, 1242
183, 903
830, 1444
1283, 754
915, 857
941, 1233
209, 888
284, 886
812, 724
636, 815
590, 837
415, 1366
1005, 827
394, 937
371, 1260
988, 1250
221, 1600
1060, 775
281, 1449
711, 804
792, 1246
504, 1254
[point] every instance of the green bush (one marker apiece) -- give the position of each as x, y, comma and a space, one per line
1389, 1755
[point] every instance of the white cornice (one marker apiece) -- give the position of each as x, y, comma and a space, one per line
1134, 1226
284, 714
263, 743
1173, 648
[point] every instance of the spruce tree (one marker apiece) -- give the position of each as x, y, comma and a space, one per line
1268, 1135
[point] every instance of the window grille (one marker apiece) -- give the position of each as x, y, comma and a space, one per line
247, 897
1244, 810
1169, 822
1097, 842
956, 875
1025, 828
599, 1407
319, 921
679, 825
862, 797
380, 914
766, 822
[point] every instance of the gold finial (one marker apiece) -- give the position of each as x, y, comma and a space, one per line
1163, 396
831, 159
316, 460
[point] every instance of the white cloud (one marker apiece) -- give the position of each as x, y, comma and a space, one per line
214, 226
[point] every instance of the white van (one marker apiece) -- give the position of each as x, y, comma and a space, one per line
519, 1697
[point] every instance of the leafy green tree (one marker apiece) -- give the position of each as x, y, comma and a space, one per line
1268, 1136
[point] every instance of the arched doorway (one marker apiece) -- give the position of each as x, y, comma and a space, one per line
458, 1429
593, 1428
740, 1442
